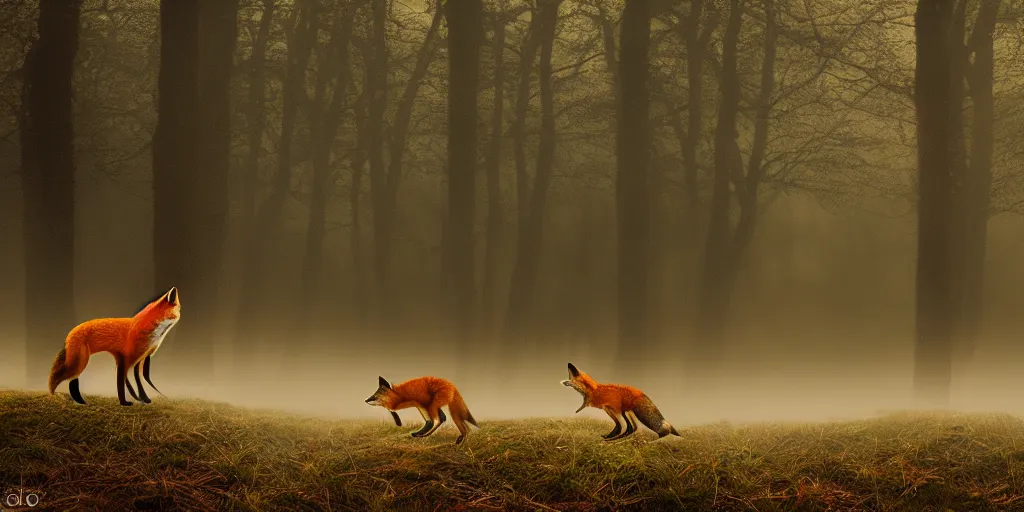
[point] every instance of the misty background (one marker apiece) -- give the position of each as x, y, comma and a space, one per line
714, 200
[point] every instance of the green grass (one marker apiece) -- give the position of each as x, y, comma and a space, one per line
195, 455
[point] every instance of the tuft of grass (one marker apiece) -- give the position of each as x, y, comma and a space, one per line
196, 455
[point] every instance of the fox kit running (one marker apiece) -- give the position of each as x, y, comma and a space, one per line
132, 342
428, 395
629, 404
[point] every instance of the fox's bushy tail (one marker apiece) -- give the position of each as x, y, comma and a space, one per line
459, 410
59, 370
651, 417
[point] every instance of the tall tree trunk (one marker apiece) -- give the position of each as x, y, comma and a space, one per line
324, 131
633, 144
256, 116
48, 185
527, 55
250, 316
524, 274
696, 48
494, 214
376, 86
979, 178
713, 295
177, 249
218, 31
357, 164
465, 23
933, 100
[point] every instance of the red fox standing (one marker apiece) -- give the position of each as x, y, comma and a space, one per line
428, 395
132, 341
627, 403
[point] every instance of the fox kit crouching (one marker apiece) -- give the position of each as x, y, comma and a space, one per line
428, 395
132, 341
629, 404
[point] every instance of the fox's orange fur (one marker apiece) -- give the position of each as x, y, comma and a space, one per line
129, 340
618, 401
428, 395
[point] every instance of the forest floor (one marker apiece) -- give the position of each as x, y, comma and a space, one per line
195, 455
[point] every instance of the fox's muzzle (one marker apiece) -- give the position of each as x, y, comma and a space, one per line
372, 400
567, 383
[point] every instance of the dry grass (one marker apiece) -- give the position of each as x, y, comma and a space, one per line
194, 455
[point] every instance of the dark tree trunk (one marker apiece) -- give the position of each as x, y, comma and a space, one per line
494, 214
979, 178
528, 54
251, 318
933, 100
256, 116
465, 23
324, 130
525, 272
218, 31
633, 143
376, 90
48, 185
177, 244
357, 164
727, 246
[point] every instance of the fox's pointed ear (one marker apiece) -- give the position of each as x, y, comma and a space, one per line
384, 383
172, 295
573, 371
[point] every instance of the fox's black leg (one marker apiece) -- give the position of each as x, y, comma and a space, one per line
145, 373
76, 395
427, 426
143, 397
398, 421
122, 374
131, 390
441, 419
618, 428
630, 428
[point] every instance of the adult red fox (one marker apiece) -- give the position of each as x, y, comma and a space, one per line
627, 403
132, 342
428, 395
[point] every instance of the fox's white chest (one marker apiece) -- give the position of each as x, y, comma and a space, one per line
157, 337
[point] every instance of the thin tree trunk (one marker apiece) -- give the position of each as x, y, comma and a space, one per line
979, 179
250, 317
256, 116
633, 143
218, 31
377, 84
933, 98
177, 246
48, 185
357, 164
324, 131
465, 23
715, 285
524, 274
528, 54
494, 213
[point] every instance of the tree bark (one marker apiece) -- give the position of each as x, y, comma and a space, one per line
493, 167
324, 129
979, 179
525, 272
934, 306
716, 279
178, 249
256, 116
633, 143
48, 185
527, 55
465, 22
218, 31
250, 317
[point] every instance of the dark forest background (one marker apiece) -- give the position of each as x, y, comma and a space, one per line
752, 208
